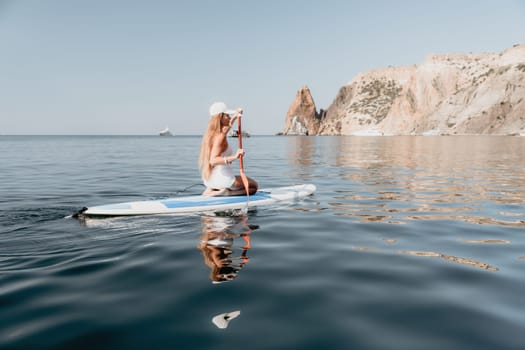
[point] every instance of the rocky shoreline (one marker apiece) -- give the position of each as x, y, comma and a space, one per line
448, 94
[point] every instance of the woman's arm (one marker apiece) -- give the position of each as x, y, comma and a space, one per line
226, 129
216, 149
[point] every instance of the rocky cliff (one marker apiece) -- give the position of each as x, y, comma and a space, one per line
445, 95
302, 117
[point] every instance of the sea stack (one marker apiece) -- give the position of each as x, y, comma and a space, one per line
302, 117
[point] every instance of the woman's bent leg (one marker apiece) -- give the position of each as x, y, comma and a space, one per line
238, 186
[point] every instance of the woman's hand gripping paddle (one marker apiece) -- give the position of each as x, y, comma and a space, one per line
241, 164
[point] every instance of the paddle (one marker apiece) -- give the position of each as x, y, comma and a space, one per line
241, 164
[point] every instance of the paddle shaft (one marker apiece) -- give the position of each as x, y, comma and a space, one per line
241, 164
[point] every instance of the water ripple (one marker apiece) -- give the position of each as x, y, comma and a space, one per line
417, 240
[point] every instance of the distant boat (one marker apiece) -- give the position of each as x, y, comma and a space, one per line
165, 132
235, 133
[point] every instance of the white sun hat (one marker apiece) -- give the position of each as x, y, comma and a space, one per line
220, 107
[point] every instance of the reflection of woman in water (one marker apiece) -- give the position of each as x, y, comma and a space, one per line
217, 247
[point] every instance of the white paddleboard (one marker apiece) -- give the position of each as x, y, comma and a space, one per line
196, 204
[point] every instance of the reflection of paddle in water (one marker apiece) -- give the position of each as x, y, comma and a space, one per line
217, 246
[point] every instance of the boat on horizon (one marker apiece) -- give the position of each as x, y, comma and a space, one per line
235, 133
165, 132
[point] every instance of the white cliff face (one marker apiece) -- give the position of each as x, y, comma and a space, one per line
302, 117
297, 127
446, 94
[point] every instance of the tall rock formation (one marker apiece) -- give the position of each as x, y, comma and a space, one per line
302, 117
445, 95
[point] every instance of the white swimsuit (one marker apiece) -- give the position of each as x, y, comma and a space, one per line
222, 175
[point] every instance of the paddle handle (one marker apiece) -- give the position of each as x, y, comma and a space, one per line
239, 136
241, 163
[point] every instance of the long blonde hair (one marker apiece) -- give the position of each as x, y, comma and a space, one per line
214, 129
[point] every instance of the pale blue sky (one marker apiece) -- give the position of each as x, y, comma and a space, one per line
135, 67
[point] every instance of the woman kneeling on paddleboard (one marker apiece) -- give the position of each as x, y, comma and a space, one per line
216, 155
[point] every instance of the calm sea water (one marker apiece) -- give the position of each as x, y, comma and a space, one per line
408, 243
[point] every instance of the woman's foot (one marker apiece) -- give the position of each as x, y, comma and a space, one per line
211, 192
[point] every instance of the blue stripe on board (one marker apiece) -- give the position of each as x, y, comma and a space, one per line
211, 201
